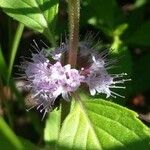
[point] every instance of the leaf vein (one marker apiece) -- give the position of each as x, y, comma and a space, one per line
115, 122
76, 131
30, 16
87, 117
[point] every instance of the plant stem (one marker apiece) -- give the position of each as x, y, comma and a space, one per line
14, 48
50, 36
74, 14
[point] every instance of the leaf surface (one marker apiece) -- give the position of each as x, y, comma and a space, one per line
39, 15
98, 124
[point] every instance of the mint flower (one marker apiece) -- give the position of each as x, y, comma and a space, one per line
96, 73
49, 80
100, 81
48, 77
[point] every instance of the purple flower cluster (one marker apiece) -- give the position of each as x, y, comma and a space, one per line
99, 80
50, 79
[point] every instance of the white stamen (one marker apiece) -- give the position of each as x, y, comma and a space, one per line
117, 94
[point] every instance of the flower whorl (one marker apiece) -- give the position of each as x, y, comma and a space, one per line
48, 78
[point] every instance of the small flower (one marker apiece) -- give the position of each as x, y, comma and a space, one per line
57, 53
49, 80
97, 77
48, 77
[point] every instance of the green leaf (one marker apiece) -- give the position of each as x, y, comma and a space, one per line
39, 15
2, 60
8, 139
98, 124
14, 48
124, 64
141, 74
28, 145
139, 3
120, 29
52, 128
3, 67
102, 14
141, 36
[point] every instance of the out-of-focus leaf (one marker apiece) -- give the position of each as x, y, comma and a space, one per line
52, 128
2, 60
98, 124
141, 74
102, 14
122, 55
8, 140
120, 29
123, 59
139, 3
116, 37
123, 64
39, 15
141, 36
28, 145
3, 68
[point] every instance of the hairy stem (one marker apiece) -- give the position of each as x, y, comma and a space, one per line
74, 14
